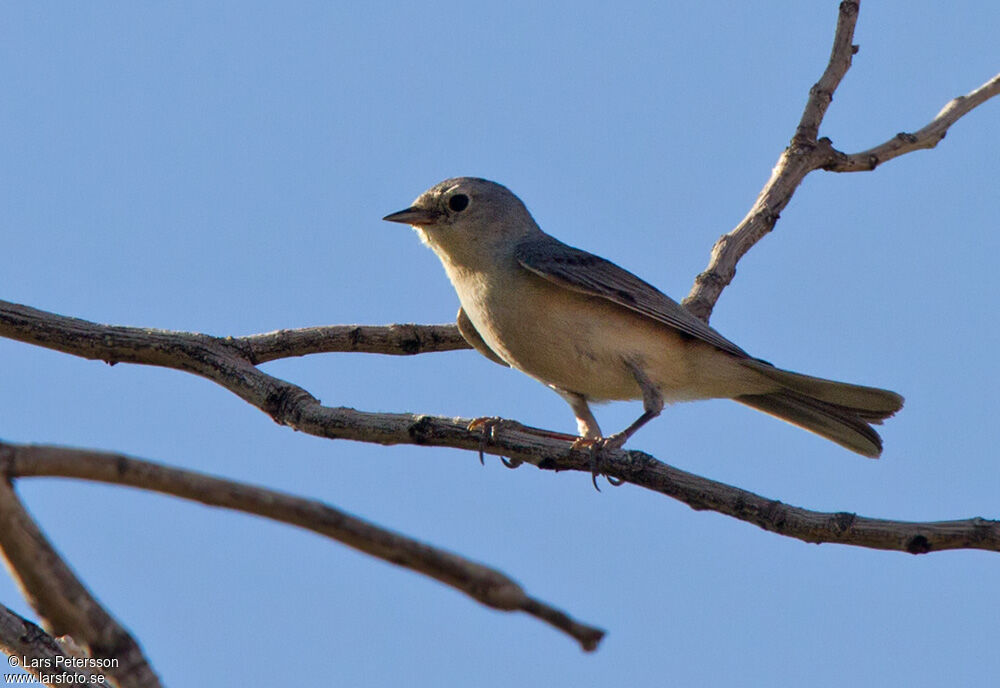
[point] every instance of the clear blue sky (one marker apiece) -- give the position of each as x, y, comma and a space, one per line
223, 167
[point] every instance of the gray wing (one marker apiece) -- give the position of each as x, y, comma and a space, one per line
584, 272
471, 335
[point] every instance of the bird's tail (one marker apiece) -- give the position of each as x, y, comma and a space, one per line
840, 412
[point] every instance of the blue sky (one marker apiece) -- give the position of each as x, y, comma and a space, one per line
224, 167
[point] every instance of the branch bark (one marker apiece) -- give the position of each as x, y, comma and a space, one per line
63, 601
38, 653
214, 358
485, 585
397, 340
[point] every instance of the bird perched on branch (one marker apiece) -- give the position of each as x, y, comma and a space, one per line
593, 331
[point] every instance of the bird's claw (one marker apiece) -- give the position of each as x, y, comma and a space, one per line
597, 446
487, 427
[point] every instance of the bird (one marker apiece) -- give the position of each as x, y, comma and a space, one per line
594, 332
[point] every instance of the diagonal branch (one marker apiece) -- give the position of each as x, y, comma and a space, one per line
806, 153
821, 94
38, 653
485, 585
291, 405
801, 157
62, 600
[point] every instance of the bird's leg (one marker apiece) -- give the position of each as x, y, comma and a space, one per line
652, 403
586, 424
590, 434
590, 431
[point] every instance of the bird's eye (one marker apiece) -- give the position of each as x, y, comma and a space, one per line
458, 202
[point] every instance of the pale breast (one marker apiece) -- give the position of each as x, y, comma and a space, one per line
559, 337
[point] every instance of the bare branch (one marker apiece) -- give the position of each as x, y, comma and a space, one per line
398, 340
821, 94
802, 156
290, 405
61, 599
485, 585
807, 153
925, 138
37, 652
144, 345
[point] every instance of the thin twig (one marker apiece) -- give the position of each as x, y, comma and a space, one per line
291, 405
821, 94
397, 340
485, 585
925, 138
63, 602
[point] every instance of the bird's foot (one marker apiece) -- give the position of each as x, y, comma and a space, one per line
597, 446
487, 427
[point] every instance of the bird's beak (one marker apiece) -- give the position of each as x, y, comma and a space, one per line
418, 217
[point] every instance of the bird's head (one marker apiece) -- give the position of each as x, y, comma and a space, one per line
466, 219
